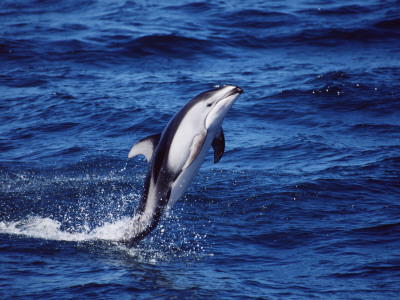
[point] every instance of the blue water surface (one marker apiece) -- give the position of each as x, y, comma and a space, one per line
305, 202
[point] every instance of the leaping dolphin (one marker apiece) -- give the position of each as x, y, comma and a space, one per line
175, 155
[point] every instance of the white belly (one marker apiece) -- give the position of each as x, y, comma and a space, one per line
182, 182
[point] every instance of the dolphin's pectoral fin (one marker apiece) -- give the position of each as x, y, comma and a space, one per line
145, 147
218, 145
195, 148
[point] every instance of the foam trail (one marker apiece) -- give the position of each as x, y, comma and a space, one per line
49, 229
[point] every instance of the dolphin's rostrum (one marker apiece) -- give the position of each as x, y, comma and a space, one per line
175, 155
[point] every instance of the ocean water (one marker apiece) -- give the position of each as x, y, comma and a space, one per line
304, 204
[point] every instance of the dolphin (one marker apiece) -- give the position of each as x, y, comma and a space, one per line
175, 155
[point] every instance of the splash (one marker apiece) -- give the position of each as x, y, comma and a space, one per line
89, 208
176, 243
49, 229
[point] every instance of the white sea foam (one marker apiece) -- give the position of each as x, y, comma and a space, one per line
165, 244
47, 228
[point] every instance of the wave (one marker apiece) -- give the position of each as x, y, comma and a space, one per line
393, 24
320, 37
381, 229
342, 10
254, 19
169, 44
331, 36
110, 50
219, 35
195, 7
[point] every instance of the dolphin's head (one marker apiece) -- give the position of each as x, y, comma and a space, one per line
215, 104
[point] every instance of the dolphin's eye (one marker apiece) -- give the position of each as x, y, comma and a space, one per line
209, 104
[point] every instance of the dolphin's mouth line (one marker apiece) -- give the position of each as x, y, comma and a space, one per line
236, 90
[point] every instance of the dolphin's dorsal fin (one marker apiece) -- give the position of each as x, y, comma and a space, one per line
145, 147
218, 145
